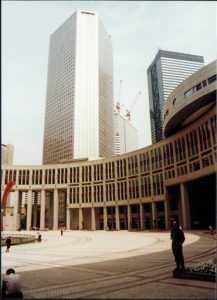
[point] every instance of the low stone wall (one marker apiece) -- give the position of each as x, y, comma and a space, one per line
18, 239
195, 275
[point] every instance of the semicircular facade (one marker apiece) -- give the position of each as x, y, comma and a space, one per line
143, 189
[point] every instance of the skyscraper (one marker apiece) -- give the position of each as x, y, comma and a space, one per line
79, 101
126, 135
167, 71
7, 154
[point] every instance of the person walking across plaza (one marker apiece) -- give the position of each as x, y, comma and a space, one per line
178, 238
61, 230
39, 238
11, 285
8, 243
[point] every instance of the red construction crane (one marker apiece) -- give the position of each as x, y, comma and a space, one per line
118, 103
128, 112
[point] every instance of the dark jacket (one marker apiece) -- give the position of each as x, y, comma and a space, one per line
177, 235
8, 242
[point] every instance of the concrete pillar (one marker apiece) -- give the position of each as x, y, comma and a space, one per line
129, 217
117, 217
50, 210
166, 214
186, 219
141, 211
3, 176
68, 219
93, 219
42, 210
81, 221
16, 204
29, 210
68, 215
105, 218
35, 209
55, 209
167, 209
153, 209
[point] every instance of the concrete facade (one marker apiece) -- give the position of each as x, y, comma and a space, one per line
139, 190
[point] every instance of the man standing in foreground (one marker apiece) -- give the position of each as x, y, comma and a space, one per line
178, 238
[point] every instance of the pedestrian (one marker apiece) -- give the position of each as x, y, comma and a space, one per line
178, 238
61, 230
211, 229
39, 238
11, 285
8, 243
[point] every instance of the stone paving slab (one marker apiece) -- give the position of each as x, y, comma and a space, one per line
108, 265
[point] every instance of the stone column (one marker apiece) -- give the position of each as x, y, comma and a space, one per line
117, 218
167, 209
3, 176
29, 210
50, 210
55, 210
16, 203
68, 215
105, 218
42, 210
68, 219
93, 219
141, 211
186, 219
166, 214
81, 222
35, 209
129, 217
153, 208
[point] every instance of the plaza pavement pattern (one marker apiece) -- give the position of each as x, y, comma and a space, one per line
108, 265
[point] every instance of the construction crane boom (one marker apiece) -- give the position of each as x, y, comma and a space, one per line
128, 112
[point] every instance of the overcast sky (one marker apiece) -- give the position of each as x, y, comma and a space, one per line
138, 30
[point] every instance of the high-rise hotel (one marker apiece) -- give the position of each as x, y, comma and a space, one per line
79, 101
166, 72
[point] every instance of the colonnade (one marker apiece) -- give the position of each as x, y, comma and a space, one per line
91, 214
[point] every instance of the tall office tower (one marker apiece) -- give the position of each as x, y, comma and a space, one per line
79, 102
125, 135
167, 71
7, 154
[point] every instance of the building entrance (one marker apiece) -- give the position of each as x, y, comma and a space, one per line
202, 197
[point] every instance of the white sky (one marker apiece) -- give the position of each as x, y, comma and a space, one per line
138, 30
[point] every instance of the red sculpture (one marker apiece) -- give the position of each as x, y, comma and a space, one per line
4, 197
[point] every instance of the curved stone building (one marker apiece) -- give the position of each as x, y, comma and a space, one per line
143, 189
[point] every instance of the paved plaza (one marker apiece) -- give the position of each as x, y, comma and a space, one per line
108, 265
